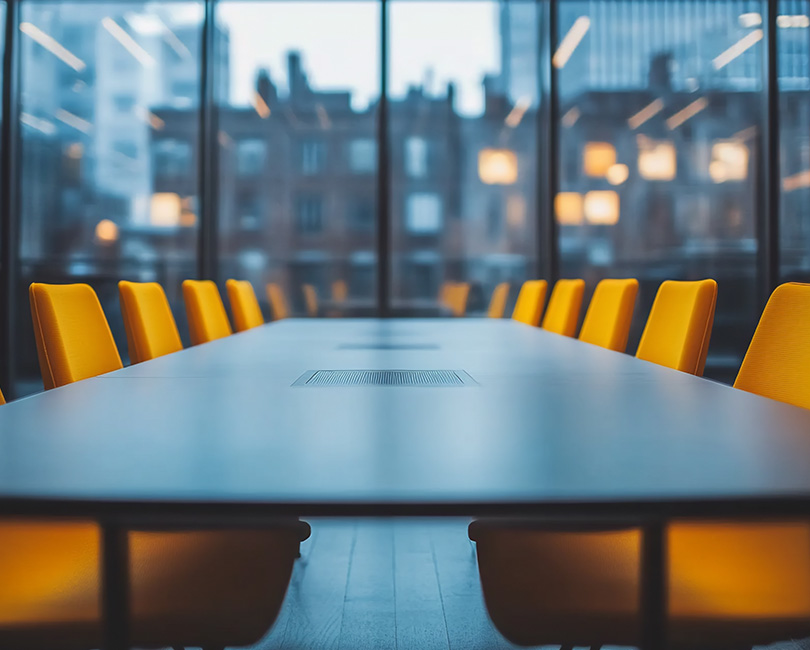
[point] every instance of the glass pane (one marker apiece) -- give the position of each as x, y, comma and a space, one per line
298, 88
108, 122
794, 115
660, 109
463, 149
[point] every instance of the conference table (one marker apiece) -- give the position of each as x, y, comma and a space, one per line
399, 417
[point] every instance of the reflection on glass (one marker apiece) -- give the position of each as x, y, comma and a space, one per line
660, 109
109, 182
463, 148
297, 95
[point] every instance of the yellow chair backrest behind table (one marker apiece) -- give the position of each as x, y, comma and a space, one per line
244, 306
679, 326
340, 291
278, 301
530, 302
562, 313
73, 338
148, 320
497, 304
610, 314
207, 320
311, 300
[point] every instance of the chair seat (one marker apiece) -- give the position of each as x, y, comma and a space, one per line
731, 585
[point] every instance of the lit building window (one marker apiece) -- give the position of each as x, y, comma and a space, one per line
568, 208
602, 207
597, 158
657, 160
497, 166
165, 209
423, 213
729, 162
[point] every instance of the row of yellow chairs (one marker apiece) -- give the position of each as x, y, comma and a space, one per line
201, 588
731, 585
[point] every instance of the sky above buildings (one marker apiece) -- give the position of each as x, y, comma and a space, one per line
431, 43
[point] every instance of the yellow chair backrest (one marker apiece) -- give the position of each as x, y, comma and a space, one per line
207, 320
148, 319
2, 399
340, 291
244, 306
610, 314
445, 293
497, 304
459, 294
679, 326
278, 301
73, 337
777, 364
562, 314
530, 302
311, 300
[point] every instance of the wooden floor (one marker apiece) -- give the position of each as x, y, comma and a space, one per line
378, 584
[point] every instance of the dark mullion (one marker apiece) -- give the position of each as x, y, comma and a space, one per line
9, 168
768, 223
383, 176
207, 152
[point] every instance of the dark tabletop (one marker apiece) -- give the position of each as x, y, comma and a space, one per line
540, 424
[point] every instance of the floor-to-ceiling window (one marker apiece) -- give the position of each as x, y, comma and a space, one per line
108, 187
463, 105
660, 115
298, 88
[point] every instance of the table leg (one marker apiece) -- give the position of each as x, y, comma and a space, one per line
115, 587
654, 587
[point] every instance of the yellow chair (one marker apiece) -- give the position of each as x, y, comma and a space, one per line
244, 306
192, 588
562, 314
278, 301
207, 320
530, 302
497, 304
610, 314
70, 320
679, 326
459, 296
311, 300
340, 291
731, 584
148, 320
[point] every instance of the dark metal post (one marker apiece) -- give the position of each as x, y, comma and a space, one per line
208, 151
9, 220
549, 233
383, 180
115, 587
768, 223
654, 587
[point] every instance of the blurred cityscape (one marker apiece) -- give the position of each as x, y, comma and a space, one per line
660, 172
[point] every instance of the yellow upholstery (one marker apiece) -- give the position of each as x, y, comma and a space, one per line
679, 326
73, 338
340, 291
777, 364
731, 585
278, 301
562, 314
459, 295
497, 305
530, 302
2, 398
610, 314
244, 305
311, 300
207, 320
150, 325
